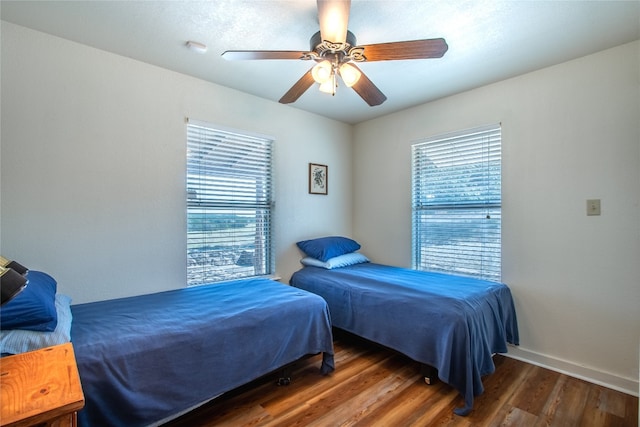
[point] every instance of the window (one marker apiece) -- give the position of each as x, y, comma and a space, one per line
229, 204
457, 203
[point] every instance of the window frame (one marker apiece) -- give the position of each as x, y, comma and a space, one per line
237, 187
456, 191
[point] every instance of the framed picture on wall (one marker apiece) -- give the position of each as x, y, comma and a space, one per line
318, 178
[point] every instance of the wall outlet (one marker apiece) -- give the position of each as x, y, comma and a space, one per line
593, 207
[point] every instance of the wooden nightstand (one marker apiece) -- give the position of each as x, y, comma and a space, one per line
40, 387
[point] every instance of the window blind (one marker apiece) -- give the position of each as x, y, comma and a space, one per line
229, 204
457, 203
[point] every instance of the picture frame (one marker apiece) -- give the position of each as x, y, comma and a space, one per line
318, 179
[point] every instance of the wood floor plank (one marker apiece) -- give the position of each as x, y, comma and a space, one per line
513, 416
571, 410
323, 402
611, 401
631, 410
499, 388
353, 409
595, 412
566, 404
351, 379
439, 410
552, 402
374, 386
417, 404
532, 395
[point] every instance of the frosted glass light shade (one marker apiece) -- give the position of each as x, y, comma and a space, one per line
350, 75
328, 87
322, 72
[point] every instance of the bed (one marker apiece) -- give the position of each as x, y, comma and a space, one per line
146, 359
451, 323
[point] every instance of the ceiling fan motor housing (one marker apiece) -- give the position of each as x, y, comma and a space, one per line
328, 48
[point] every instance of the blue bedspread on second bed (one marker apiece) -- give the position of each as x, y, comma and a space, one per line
143, 359
452, 323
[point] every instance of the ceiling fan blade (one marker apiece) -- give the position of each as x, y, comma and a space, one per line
415, 49
298, 89
367, 90
237, 55
333, 16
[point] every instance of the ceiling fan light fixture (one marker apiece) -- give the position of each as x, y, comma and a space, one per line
334, 46
334, 19
350, 74
329, 86
335, 31
322, 72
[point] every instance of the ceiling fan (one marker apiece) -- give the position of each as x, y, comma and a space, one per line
336, 52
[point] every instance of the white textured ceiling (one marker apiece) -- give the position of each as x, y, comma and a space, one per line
488, 40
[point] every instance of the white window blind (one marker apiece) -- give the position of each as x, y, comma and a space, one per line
229, 204
457, 203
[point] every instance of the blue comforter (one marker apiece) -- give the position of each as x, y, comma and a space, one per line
147, 358
452, 323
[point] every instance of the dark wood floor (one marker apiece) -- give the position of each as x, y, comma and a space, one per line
373, 386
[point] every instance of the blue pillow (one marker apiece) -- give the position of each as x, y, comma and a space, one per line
326, 248
345, 260
34, 308
20, 341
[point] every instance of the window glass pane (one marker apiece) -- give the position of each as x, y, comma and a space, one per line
228, 205
457, 204
459, 241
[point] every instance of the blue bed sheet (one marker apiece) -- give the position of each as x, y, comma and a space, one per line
147, 358
452, 323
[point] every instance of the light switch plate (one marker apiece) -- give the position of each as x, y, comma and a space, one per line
593, 207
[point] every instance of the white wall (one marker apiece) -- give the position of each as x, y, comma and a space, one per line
570, 133
93, 166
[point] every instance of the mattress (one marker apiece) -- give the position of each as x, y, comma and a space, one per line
452, 323
146, 358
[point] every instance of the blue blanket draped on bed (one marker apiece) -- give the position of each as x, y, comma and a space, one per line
452, 323
146, 358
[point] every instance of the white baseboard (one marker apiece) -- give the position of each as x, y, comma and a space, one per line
605, 379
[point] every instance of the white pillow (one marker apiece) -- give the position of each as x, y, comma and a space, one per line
336, 262
15, 341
